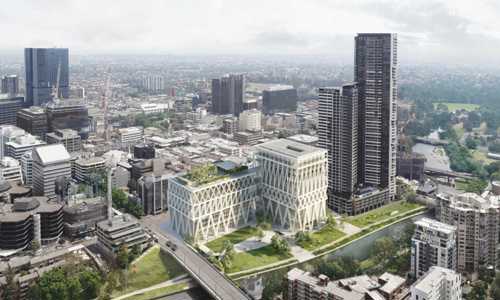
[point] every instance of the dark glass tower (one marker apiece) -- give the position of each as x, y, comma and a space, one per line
41, 65
228, 94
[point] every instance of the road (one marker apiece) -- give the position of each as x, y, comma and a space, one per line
219, 286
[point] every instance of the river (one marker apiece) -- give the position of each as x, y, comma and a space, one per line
360, 249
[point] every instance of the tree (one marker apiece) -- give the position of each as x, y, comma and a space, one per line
342, 267
122, 255
280, 244
35, 246
470, 142
90, 282
274, 285
302, 238
11, 286
495, 287
383, 249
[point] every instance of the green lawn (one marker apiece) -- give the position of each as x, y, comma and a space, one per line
164, 291
452, 107
234, 237
322, 237
381, 213
153, 268
482, 157
256, 258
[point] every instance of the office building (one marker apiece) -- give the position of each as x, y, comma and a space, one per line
250, 138
229, 125
228, 94
33, 120
10, 169
77, 92
477, 220
42, 66
27, 219
9, 106
10, 85
68, 114
250, 120
152, 189
210, 201
144, 151
302, 285
22, 144
82, 215
120, 230
294, 181
279, 98
8, 133
155, 108
183, 104
84, 169
68, 137
50, 163
433, 244
27, 168
438, 284
375, 72
130, 135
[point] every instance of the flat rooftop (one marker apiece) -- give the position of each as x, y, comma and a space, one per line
289, 148
435, 225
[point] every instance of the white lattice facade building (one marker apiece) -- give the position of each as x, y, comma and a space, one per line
294, 181
213, 209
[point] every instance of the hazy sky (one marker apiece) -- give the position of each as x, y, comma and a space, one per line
454, 31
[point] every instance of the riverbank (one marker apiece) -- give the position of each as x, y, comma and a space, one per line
335, 246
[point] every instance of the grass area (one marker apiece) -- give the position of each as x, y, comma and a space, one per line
234, 237
368, 230
482, 157
322, 237
381, 213
153, 268
256, 258
452, 107
164, 291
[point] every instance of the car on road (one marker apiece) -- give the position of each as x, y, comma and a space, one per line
171, 245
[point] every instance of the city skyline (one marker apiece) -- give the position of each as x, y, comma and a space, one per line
430, 30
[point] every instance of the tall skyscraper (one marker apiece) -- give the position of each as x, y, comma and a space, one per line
228, 94
338, 133
10, 85
357, 125
375, 71
41, 65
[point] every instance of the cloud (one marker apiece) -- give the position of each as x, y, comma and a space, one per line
430, 30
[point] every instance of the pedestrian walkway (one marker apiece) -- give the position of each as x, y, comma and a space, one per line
177, 280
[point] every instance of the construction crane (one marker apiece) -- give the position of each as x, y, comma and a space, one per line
106, 95
55, 89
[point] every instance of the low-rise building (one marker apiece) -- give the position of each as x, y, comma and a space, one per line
22, 144
82, 215
212, 200
68, 137
248, 137
302, 285
50, 163
433, 244
121, 230
130, 135
85, 168
10, 169
438, 284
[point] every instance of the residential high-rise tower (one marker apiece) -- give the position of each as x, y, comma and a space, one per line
357, 125
375, 71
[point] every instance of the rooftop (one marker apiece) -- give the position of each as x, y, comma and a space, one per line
51, 154
436, 225
289, 148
